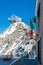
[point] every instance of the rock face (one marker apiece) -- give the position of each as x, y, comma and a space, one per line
14, 37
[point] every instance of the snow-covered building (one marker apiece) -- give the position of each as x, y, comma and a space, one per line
14, 36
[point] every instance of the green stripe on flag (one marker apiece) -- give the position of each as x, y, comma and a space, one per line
31, 24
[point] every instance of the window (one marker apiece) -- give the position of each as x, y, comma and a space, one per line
27, 43
38, 12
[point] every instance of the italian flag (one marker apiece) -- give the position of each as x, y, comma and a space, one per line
30, 31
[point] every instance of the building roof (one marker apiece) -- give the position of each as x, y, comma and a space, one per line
36, 8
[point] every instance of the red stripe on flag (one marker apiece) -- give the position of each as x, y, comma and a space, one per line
30, 34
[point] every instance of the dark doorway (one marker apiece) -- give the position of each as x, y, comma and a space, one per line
39, 51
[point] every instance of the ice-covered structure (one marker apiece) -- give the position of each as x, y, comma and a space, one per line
14, 41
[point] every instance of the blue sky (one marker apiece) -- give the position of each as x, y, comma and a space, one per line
23, 8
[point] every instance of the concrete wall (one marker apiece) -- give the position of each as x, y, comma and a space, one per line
41, 29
